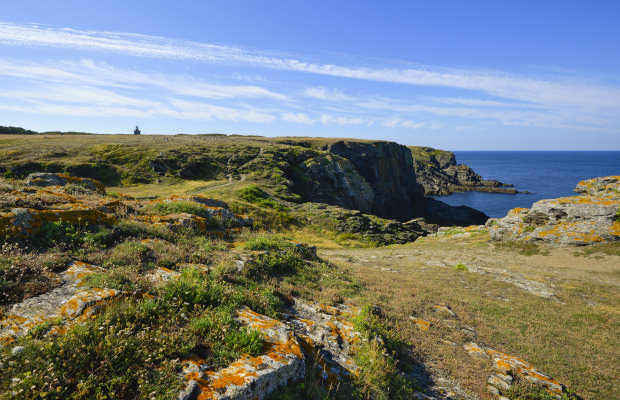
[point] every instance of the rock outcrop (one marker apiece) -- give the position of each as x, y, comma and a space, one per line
591, 217
369, 227
386, 166
509, 368
44, 179
439, 174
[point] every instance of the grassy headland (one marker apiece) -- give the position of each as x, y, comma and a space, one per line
500, 293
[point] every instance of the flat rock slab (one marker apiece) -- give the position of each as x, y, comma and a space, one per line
66, 302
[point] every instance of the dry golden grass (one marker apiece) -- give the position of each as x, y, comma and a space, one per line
574, 338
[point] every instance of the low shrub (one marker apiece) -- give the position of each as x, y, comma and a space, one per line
461, 267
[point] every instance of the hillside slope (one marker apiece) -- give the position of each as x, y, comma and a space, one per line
374, 177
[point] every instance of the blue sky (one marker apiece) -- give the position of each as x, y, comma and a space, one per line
459, 75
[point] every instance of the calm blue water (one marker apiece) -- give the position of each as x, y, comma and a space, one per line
546, 174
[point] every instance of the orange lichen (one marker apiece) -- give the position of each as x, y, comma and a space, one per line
517, 211
421, 324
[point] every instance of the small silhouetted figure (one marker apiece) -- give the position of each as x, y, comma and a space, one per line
136, 131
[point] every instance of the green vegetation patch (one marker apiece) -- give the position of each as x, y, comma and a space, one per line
380, 377
256, 195
461, 267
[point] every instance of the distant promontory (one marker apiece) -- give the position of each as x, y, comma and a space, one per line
440, 175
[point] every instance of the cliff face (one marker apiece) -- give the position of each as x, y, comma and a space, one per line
439, 174
386, 167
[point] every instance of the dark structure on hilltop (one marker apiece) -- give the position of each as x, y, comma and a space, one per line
136, 131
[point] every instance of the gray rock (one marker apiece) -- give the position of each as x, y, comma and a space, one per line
17, 350
578, 220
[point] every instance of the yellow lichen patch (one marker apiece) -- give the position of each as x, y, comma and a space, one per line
27, 222
421, 324
505, 363
587, 199
615, 228
76, 306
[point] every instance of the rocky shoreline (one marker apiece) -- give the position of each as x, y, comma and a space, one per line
440, 175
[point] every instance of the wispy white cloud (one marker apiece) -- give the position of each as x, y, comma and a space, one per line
327, 119
550, 92
323, 93
88, 72
403, 123
298, 118
89, 88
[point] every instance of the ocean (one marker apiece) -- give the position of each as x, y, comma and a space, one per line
545, 174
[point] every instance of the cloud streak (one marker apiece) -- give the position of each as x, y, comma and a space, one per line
549, 92
89, 88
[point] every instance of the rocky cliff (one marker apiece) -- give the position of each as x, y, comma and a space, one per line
591, 217
386, 167
439, 174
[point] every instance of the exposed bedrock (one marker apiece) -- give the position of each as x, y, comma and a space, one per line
592, 217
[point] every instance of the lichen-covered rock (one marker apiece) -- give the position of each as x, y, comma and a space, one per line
43, 179
326, 334
508, 367
249, 377
69, 301
26, 222
589, 218
309, 329
55, 204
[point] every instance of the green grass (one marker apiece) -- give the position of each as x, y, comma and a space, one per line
524, 248
523, 390
256, 195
